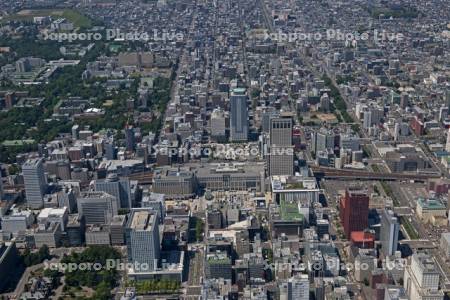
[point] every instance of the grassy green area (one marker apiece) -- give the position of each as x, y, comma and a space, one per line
18, 143
344, 79
289, 211
388, 190
144, 287
78, 19
339, 106
402, 12
410, 230
296, 185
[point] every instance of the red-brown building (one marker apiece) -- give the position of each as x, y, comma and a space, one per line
354, 211
417, 126
362, 239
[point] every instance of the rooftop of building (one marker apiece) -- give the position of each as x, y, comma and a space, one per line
142, 220
425, 262
292, 183
289, 211
47, 212
32, 162
430, 204
218, 258
362, 237
94, 194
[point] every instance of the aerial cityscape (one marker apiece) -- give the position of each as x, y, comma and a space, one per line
225, 149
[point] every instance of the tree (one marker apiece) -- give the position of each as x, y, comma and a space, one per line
198, 229
366, 282
102, 291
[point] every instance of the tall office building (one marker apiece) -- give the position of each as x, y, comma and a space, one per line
299, 286
155, 201
10, 265
354, 210
281, 151
142, 238
323, 140
389, 232
296, 288
1, 186
110, 149
117, 187
35, 183
218, 124
421, 278
129, 138
238, 116
447, 144
281, 131
97, 207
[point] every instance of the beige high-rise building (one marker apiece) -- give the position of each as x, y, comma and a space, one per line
421, 279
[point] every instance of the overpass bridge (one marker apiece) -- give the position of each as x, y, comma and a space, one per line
419, 244
332, 173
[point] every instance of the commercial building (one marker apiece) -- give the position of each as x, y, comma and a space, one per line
231, 177
75, 231
155, 201
218, 126
300, 191
35, 183
117, 229
17, 221
421, 278
362, 239
238, 116
432, 211
323, 140
354, 210
97, 207
389, 232
60, 215
445, 243
117, 187
1, 188
48, 234
295, 288
218, 265
395, 293
174, 183
10, 264
97, 235
281, 152
295, 188
143, 241
287, 219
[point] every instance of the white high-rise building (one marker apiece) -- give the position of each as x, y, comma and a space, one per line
218, 124
447, 144
35, 183
296, 288
421, 278
389, 232
396, 131
238, 116
142, 236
